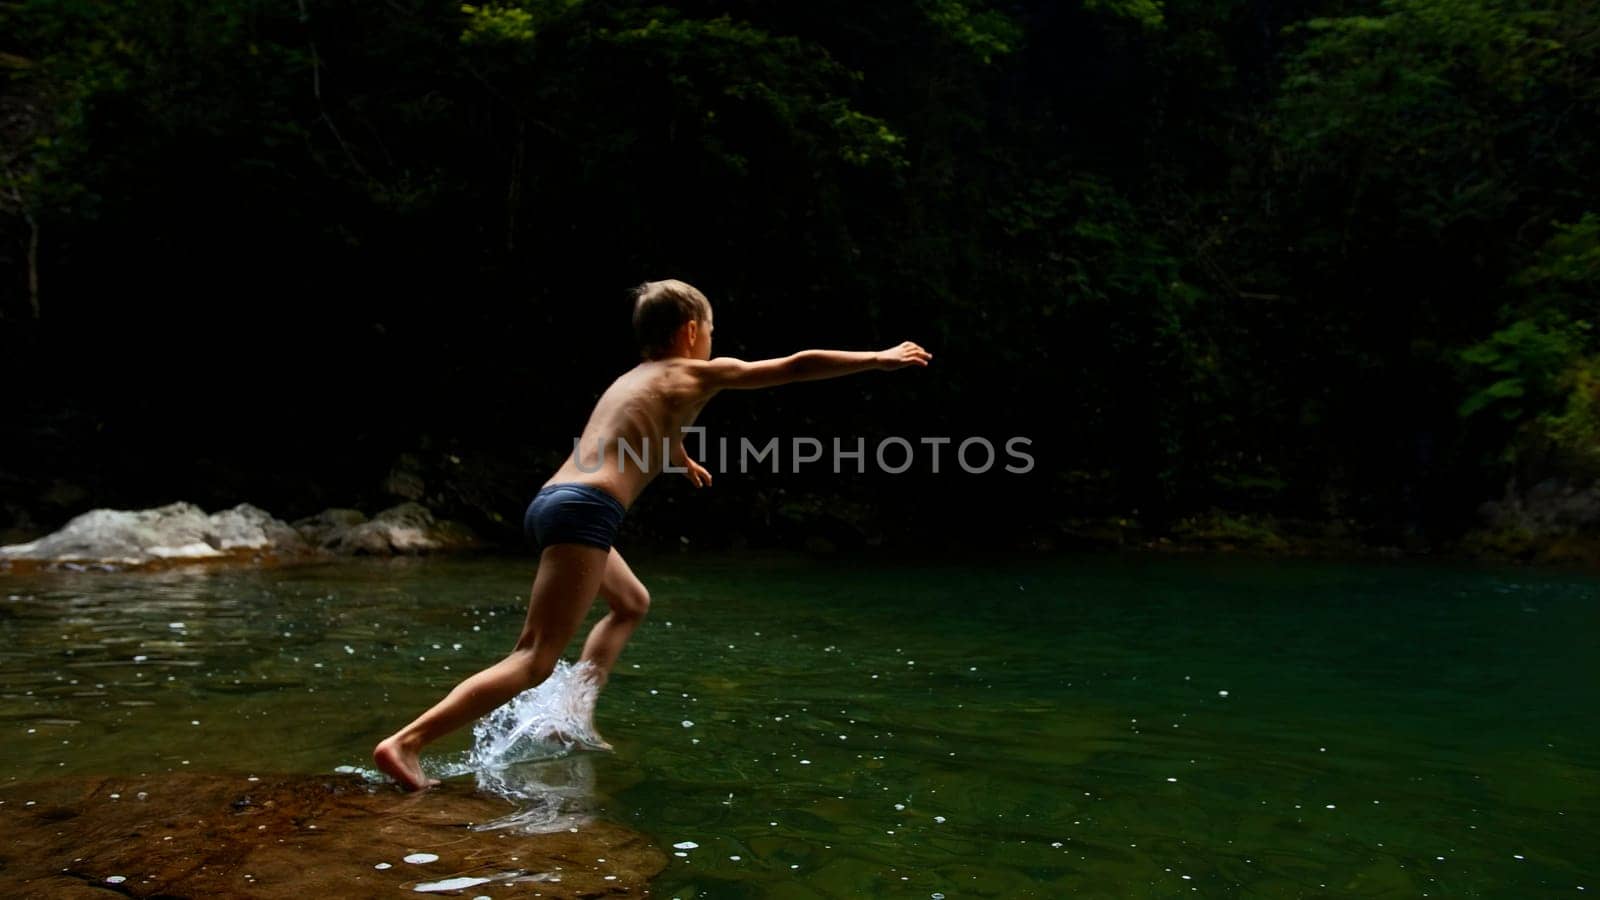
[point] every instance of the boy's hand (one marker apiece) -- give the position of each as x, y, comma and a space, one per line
697, 473
907, 354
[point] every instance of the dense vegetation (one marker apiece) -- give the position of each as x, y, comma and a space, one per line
1334, 262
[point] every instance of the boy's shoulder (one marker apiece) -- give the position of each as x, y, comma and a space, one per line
678, 376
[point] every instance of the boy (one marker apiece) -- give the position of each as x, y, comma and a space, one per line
574, 517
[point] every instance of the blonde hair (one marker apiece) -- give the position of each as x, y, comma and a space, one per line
660, 308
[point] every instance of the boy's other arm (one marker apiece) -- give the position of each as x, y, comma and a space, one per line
807, 365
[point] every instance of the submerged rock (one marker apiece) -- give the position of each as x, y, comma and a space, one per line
193, 835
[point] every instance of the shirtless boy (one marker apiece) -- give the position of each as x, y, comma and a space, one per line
574, 517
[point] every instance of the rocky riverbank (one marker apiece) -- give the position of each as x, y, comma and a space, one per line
184, 534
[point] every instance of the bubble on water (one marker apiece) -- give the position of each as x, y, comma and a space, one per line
140, 658
1330, 806
1172, 779
420, 858
939, 819
805, 762
176, 626
685, 845
1222, 693
1517, 856
116, 879
734, 858
382, 866
687, 724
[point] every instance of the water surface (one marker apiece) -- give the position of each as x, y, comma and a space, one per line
1084, 726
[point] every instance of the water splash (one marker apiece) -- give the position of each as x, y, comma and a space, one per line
522, 752
542, 722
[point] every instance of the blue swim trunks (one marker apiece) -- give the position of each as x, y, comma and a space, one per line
572, 513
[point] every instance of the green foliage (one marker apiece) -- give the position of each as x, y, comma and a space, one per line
1419, 101
1148, 13
1541, 373
1525, 360
986, 33
1269, 257
493, 24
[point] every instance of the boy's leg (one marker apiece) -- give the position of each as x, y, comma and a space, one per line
629, 602
563, 588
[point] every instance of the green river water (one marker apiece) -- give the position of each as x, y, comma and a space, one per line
1096, 726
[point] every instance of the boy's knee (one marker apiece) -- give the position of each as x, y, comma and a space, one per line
631, 604
639, 603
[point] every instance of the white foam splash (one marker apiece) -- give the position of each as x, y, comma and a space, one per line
542, 722
523, 753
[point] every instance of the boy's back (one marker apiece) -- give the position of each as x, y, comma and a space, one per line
636, 427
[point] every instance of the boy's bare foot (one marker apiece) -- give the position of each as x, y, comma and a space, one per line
401, 763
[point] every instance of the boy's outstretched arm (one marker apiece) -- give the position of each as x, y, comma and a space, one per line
807, 365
